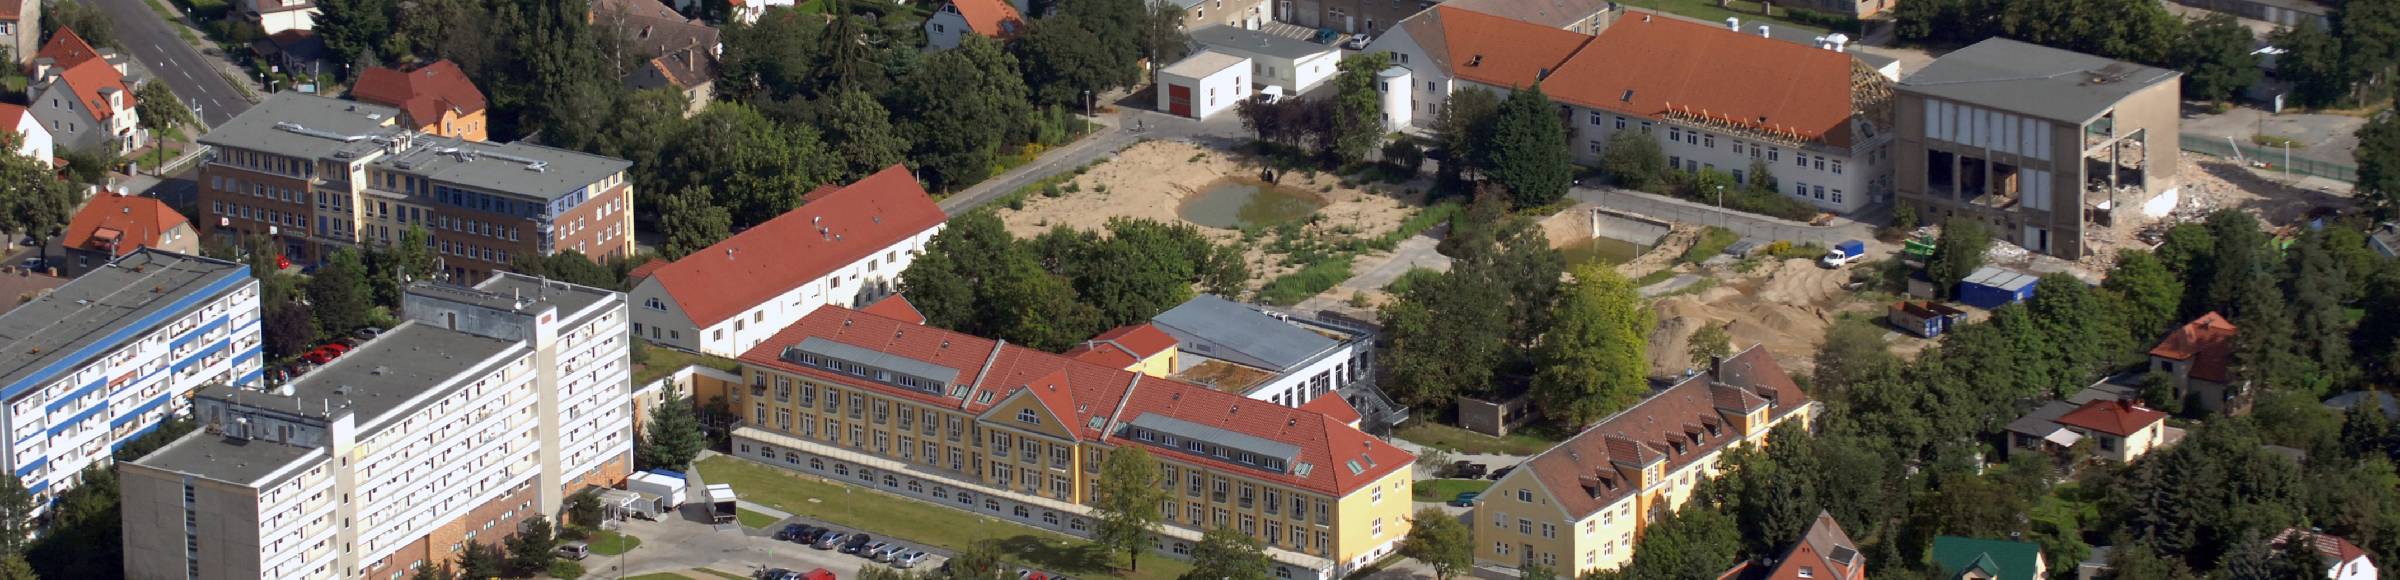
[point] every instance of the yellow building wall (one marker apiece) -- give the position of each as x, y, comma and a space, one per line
1510, 516
1159, 365
1356, 515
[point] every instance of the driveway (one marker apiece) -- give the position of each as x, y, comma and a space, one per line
155, 44
1415, 252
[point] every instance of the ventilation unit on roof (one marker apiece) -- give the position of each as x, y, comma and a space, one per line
1476, 61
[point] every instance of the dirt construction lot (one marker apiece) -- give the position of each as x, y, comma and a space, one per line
1785, 305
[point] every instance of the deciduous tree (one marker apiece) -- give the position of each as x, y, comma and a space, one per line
2151, 293
1634, 161
1439, 540
338, 294
2313, 60
2216, 59
481, 560
1358, 107
861, 133
1594, 359
1226, 553
959, 108
2378, 186
1709, 343
1127, 507
531, 549
692, 220
1957, 253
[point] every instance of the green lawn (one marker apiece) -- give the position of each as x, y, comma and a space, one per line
655, 362
1747, 10
722, 574
917, 521
660, 576
1521, 442
611, 543
1443, 490
751, 519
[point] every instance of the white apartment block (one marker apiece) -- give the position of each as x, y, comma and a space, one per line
102, 360
487, 407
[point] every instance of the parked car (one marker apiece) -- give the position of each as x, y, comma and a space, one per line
829, 540
1502, 472
1469, 470
808, 534
574, 550
1843, 254
1466, 498
869, 550
817, 574
908, 560
33, 263
889, 550
856, 543
1357, 42
368, 333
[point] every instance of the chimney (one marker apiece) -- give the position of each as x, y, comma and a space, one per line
1715, 363
1762, 32
1733, 23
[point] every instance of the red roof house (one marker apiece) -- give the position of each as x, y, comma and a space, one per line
1124, 346
2205, 343
111, 226
436, 98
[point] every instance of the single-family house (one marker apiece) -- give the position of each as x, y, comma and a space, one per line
1291, 65
1823, 552
2389, 404
846, 246
21, 28
2107, 412
681, 52
2199, 358
1203, 84
990, 18
297, 50
116, 225
32, 140
1141, 348
1714, 97
2343, 560
83, 98
275, 16
435, 98
1958, 558
743, 11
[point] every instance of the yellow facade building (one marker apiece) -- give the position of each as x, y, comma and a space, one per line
1020, 434
1581, 505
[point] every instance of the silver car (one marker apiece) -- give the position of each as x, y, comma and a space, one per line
909, 560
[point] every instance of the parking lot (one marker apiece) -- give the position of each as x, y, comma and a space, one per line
688, 542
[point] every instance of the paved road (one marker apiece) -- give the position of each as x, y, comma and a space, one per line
155, 44
1109, 141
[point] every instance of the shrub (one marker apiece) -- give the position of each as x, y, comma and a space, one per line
1826, 20
1310, 280
1712, 242
564, 569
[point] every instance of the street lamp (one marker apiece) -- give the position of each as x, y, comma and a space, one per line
1720, 196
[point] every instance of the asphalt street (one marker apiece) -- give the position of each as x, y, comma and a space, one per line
155, 45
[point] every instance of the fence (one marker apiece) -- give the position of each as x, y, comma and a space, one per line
2273, 158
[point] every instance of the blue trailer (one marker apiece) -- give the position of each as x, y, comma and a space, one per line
1992, 287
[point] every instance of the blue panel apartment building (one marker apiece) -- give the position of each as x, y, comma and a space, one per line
107, 357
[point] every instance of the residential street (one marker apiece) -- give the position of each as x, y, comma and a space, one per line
155, 44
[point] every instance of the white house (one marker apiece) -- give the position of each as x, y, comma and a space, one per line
846, 246
1203, 84
32, 140
1291, 65
280, 15
2343, 560
744, 11
82, 98
957, 18
1714, 98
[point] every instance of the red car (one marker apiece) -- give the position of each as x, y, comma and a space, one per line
325, 354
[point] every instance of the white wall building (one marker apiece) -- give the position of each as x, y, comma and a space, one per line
32, 140
1290, 64
485, 408
846, 246
1712, 97
1203, 84
105, 358
957, 18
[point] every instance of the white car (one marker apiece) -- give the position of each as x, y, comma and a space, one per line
1356, 42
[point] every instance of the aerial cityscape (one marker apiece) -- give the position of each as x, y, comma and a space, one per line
1200, 289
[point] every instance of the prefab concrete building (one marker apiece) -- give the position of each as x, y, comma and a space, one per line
1203, 84
1291, 64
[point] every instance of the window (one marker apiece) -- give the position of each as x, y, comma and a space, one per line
1820, 159
1593, 117
1524, 526
1774, 154
1837, 196
1525, 495
1620, 121
1674, 133
1837, 167
1375, 495
1709, 140
1593, 145
1027, 416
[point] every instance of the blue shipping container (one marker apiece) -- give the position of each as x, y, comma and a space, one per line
1992, 287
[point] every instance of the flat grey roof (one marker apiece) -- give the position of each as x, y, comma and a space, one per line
513, 168
1551, 13
1198, 432
569, 298
1254, 338
1247, 40
308, 126
79, 321
2032, 79
878, 359
1203, 63
224, 458
2043, 420
378, 377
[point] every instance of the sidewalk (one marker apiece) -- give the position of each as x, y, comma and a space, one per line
1106, 140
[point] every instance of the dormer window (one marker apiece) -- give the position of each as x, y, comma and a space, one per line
1027, 416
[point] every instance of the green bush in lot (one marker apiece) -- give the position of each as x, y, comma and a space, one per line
1712, 242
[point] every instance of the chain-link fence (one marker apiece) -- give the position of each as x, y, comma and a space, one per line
2270, 158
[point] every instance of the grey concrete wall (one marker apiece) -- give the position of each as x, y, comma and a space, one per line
1631, 228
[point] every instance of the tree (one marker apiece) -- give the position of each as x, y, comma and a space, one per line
1442, 337
481, 560
1957, 253
1358, 107
1709, 343
2378, 154
1064, 60
85, 19
1594, 360
1404, 157
1127, 509
354, 31
958, 108
2134, 30
693, 221
2313, 61
160, 111
583, 509
1634, 161
753, 166
2151, 293
290, 329
1163, 39
860, 131
531, 549
1461, 129
1695, 542
2320, 321
672, 437
2215, 57
1226, 553
32, 199
1528, 150
433, 571
338, 294
16, 516
14, 567
1439, 540
2370, 35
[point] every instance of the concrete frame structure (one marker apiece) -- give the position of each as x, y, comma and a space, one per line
488, 406
319, 173
2041, 144
105, 358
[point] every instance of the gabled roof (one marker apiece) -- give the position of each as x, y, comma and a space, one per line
2120, 418
424, 92
66, 48
992, 18
837, 226
1093, 400
2205, 342
1827, 548
1123, 346
12, 115
2002, 559
896, 307
1654, 65
681, 51
643, 272
93, 81
1490, 49
1551, 13
12, 9
1332, 405
2334, 549
1583, 474
120, 224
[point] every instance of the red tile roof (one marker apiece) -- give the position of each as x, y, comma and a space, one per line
92, 80
1090, 399
1593, 469
12, 9
129, 222
424, 92
2206, 342
993, 18
644, 271
66, 48
1502, 52
2329, 546
896, 307
857, 221
1332, 405
1123, 346
1652, 66
2119, 417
